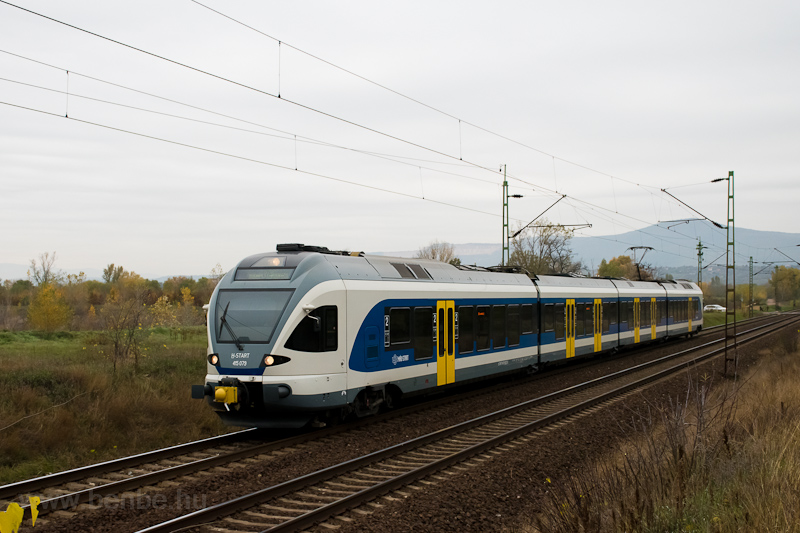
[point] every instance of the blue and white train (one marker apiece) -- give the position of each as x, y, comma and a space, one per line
305, 335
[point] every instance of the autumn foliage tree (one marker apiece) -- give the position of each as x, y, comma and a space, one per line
544, 249
624, 267
125, 318
49, 311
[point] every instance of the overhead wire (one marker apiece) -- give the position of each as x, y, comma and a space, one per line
267, 93
416, 101
249, 159
285, 134
249, 87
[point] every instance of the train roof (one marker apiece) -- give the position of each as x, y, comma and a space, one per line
359, 266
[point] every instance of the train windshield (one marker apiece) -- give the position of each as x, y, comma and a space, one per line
249, 316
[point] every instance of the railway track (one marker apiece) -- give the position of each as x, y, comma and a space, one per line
90, 485
328, 493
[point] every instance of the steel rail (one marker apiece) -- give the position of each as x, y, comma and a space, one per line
94, 493
59, 478
75, 474
210, 514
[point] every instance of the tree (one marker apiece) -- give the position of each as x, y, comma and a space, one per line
439, 251
125, 319
544, 249
43, 272
623, 267
785, 283
49, 311
112, 274
173, 287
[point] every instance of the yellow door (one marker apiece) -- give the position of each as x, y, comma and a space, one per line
653, 318
636, 313
598, 324
569, 321
689, 313
445, 342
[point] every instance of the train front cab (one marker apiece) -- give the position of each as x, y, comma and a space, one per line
578, 316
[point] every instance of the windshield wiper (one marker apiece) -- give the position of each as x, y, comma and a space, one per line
229, 328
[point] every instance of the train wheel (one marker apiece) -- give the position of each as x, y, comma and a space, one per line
391, 398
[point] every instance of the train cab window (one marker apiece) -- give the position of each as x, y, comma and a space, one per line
548, 318
423, 333
466, 329
399, 325
528, 319
482, 328
513, 325
559, 311
317, 332
580, 318
499, 326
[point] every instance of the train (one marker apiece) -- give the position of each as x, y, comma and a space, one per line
305, 335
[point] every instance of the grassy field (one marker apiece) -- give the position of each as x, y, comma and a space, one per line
62, 404
717, 318
723, 457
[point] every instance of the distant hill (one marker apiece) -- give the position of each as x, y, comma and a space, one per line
674, 252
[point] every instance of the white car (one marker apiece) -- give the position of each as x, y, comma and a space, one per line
714, 308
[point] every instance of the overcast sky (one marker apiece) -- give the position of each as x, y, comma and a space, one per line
606, 102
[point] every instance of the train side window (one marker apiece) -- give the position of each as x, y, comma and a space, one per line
629, 311
399, 325
549, 318
317, 332
527, 319
482, 320
606, 317
423, 333
499, 326
580, 312
559, 311
588, 324
466, 329
513, 325
612, 313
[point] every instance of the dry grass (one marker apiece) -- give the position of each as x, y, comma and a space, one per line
62, 406
722, 458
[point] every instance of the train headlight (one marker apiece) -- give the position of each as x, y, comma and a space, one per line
273, 360
213, 359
